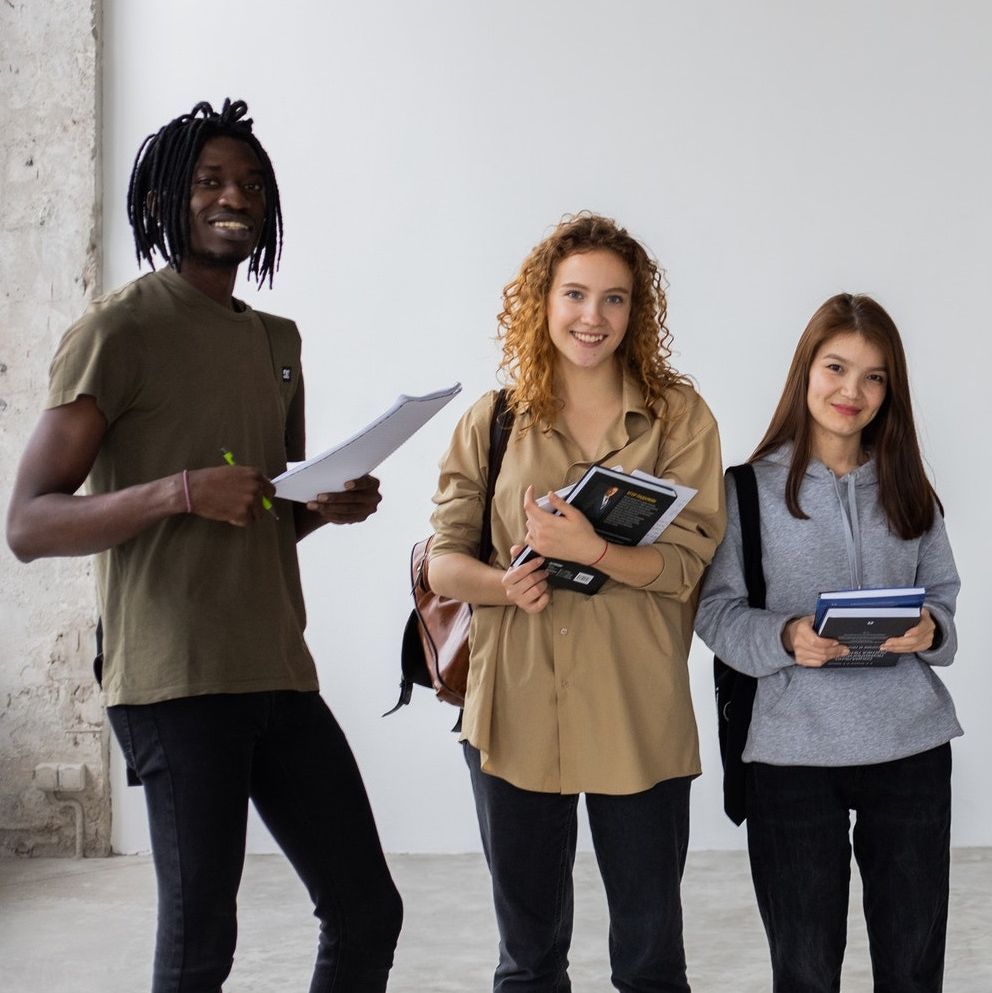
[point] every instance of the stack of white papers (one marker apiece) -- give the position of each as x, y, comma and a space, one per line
362, 452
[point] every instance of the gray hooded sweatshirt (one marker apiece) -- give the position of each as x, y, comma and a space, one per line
830, 716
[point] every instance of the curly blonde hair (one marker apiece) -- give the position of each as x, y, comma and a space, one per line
528, 362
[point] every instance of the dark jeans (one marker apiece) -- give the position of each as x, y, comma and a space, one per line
640, 841
798, 823
200, 760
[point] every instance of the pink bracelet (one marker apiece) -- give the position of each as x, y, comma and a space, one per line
189, 502
602, 555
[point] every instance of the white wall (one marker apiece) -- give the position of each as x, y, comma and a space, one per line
770, 154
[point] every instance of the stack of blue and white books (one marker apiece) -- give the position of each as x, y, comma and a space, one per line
864, 619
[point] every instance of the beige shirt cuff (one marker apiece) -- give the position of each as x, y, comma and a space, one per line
670, 581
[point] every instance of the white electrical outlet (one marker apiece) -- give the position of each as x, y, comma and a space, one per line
46, 776
72, 778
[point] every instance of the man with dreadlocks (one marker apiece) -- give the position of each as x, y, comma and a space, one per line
210, 688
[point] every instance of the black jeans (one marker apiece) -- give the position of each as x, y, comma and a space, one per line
200, 760
640, 840
798, 824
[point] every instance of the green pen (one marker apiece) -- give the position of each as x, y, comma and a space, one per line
266, 502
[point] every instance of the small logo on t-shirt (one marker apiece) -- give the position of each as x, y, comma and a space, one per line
287, 373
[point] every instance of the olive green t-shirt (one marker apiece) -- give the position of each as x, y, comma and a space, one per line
192, 606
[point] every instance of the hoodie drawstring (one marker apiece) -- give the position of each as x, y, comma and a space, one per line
852, 529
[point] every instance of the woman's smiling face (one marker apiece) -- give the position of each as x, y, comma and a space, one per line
589, 307
847, 384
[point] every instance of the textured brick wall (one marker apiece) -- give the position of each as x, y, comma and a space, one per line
49, 267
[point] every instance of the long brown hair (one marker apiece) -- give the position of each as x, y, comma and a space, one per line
528, 355
904, 491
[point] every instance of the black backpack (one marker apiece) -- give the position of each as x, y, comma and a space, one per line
734, 690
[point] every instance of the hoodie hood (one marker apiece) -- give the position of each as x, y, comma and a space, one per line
864, 475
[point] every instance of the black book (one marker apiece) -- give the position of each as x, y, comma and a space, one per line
624, 509
863, 629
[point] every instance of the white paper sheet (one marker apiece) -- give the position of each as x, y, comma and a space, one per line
361, 453
683, 494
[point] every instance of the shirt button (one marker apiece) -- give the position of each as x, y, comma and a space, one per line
564, 631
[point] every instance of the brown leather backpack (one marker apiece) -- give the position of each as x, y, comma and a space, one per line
435, 650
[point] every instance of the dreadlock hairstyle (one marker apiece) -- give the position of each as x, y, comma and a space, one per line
528, 360
904, 491
159, 190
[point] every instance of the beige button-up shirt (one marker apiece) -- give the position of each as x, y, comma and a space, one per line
591, 694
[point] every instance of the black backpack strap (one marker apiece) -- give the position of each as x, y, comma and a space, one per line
735, 690
132, 776
747, 505
98, 658
500, 427
499, 436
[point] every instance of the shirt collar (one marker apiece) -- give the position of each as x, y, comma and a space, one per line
635, 418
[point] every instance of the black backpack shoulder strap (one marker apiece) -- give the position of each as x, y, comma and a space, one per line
499, 436
132, 776
747, 503
734, 690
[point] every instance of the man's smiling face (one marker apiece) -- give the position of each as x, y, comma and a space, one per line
226, 203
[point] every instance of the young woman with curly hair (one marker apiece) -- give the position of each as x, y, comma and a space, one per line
845, 503
569, 693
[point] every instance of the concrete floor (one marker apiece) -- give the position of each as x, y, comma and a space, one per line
87, 927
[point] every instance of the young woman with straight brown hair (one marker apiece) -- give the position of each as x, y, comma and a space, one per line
844, 503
